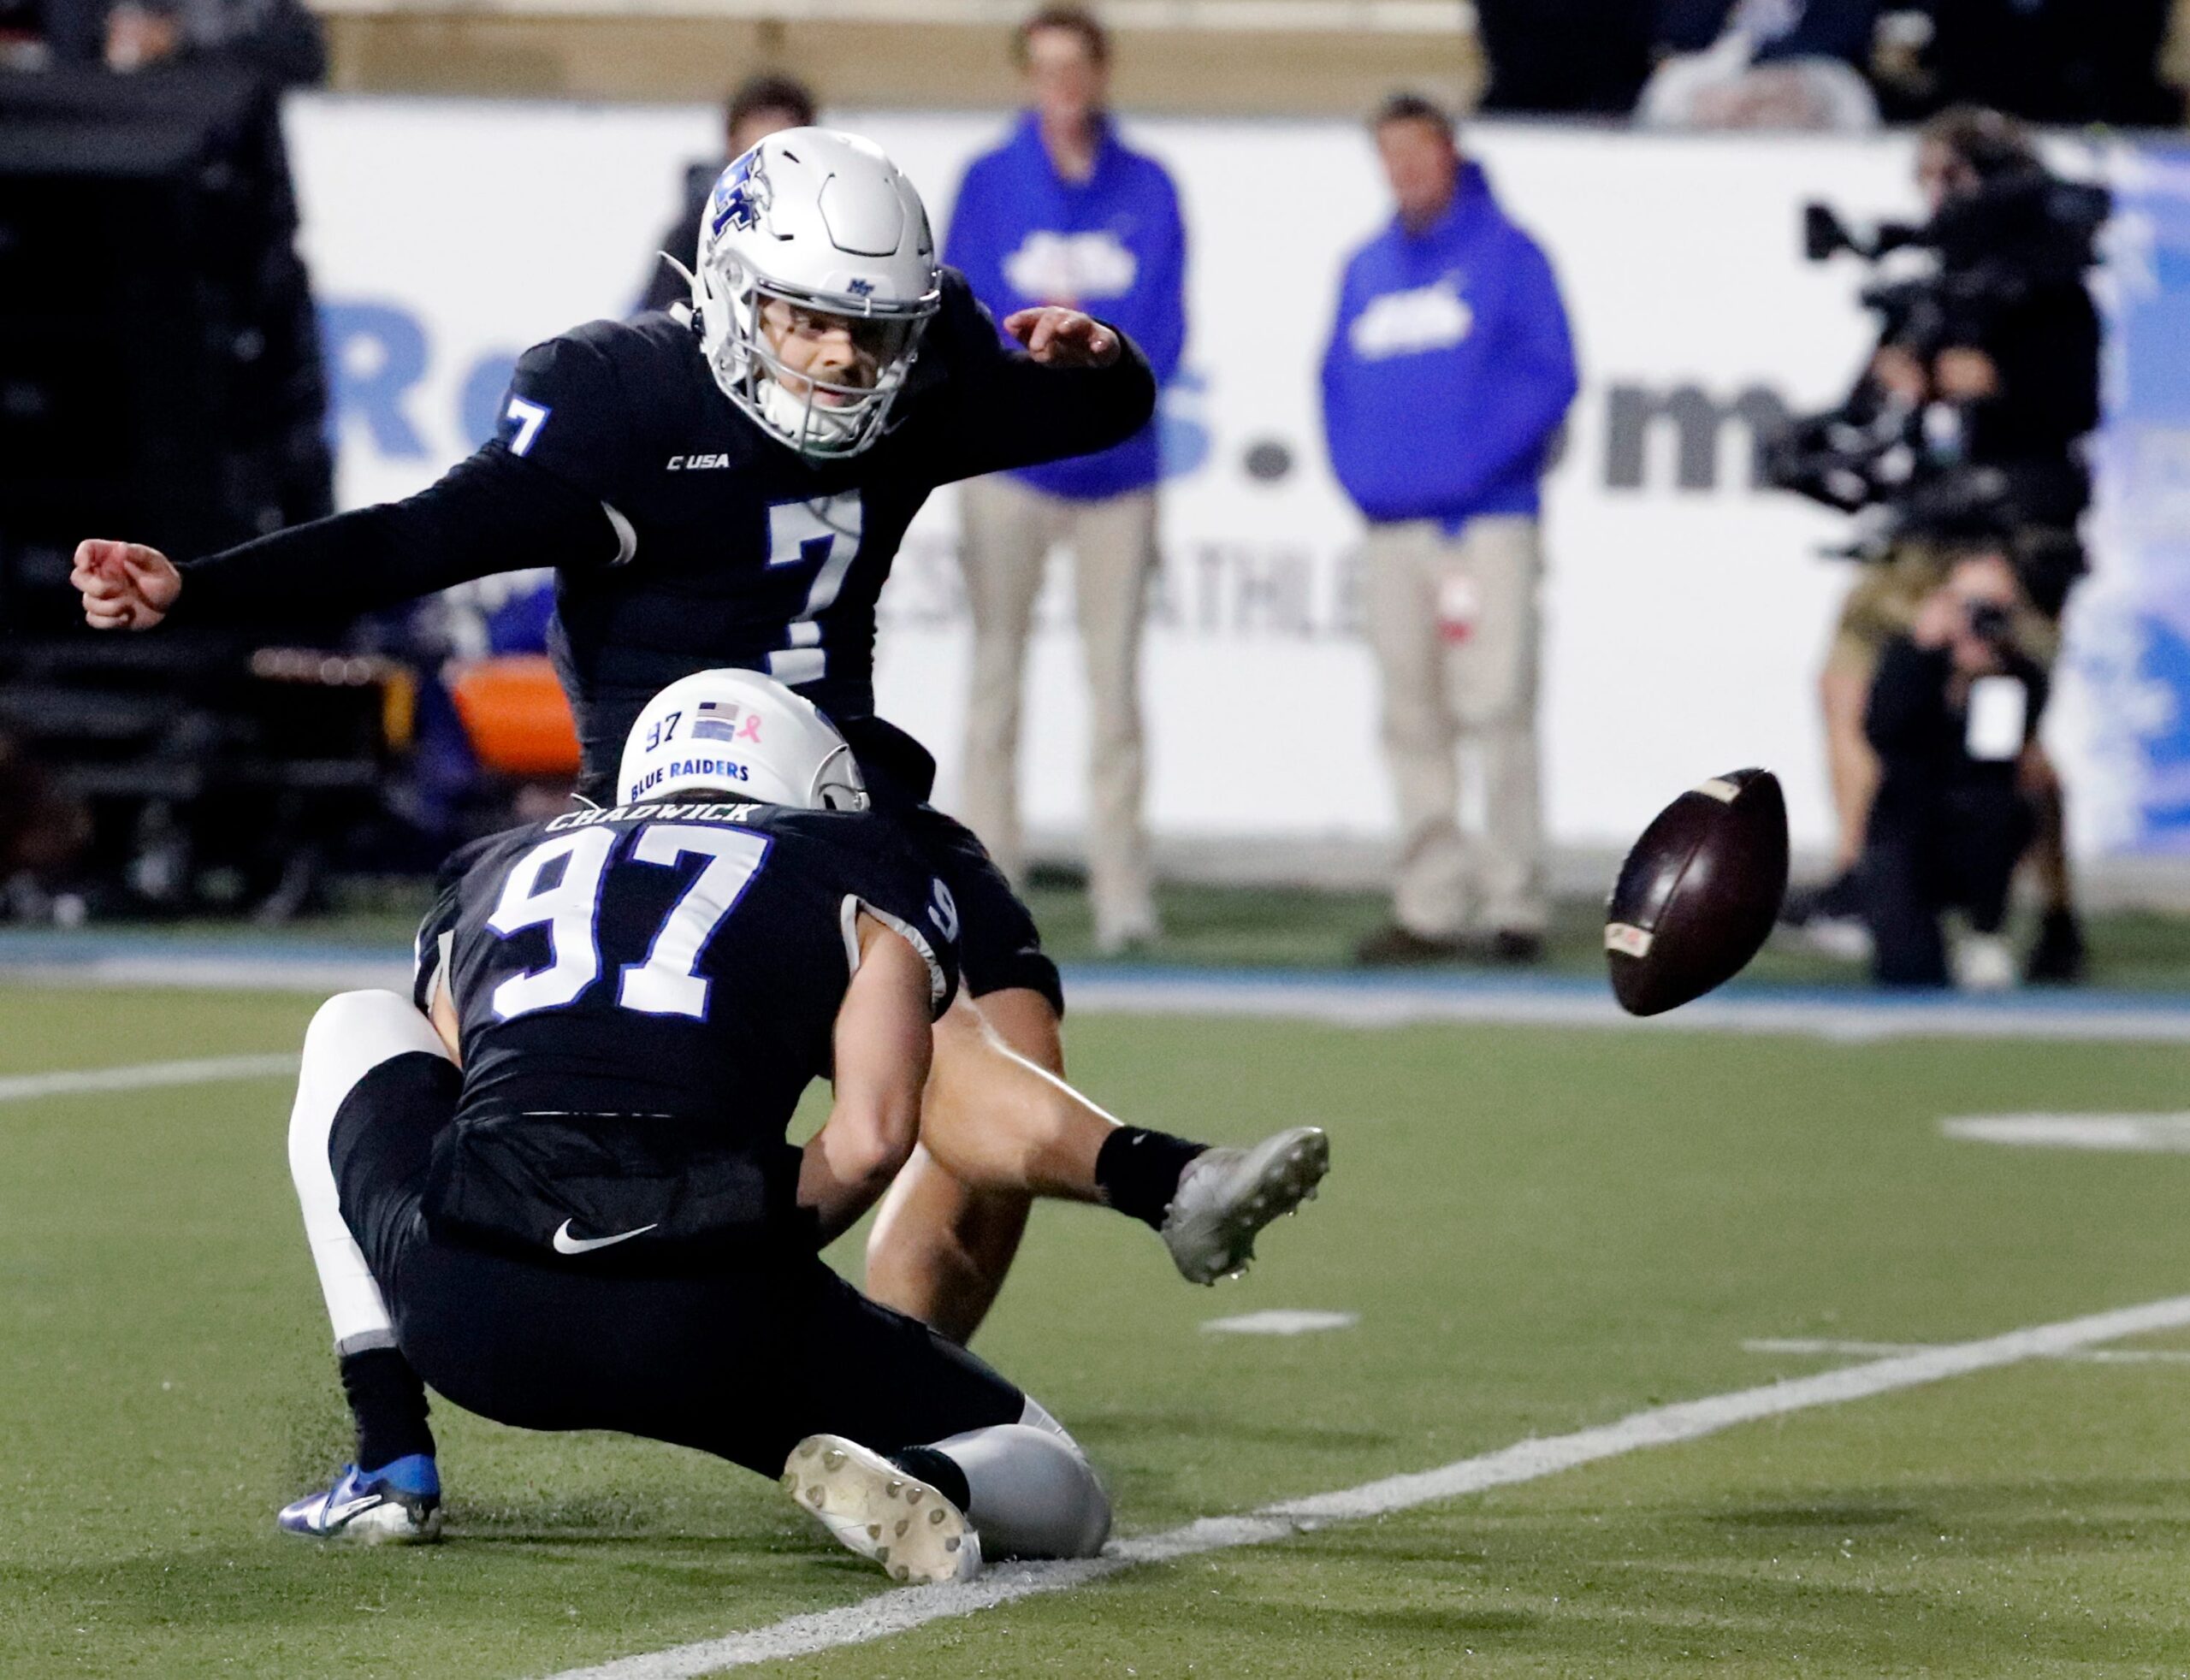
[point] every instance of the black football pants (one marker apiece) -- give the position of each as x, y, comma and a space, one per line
743, 1364
1945, 848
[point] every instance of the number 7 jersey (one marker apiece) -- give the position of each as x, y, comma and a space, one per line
683, 536
730, 549
669, 959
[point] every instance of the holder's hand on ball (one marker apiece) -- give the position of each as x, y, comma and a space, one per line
125, 585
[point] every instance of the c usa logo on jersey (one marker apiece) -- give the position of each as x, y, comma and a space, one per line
740, 196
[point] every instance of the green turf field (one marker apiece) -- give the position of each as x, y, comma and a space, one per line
1539, 1231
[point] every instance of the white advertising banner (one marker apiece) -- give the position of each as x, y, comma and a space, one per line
1687, 608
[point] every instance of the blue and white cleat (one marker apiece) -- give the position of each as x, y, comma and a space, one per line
398, 1504
1225, 1195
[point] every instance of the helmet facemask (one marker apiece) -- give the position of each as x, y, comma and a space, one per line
816, 415
837, 784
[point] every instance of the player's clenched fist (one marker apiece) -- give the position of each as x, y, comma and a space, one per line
1062, 338
125, 585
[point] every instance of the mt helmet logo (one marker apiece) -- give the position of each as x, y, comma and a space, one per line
740, 197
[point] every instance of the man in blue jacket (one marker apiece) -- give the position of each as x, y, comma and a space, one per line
1449, 374
1063, 210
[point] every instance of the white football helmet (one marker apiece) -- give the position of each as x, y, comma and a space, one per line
825, 223
742, 733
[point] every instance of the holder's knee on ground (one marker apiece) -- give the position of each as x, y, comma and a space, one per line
1034, 1493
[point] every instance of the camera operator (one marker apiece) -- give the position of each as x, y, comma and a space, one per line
1952, 715
1984, 381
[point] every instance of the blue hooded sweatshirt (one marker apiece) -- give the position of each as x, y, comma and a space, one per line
1112, 245
1449, 368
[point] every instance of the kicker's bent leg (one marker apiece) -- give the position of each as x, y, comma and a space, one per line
941, 1246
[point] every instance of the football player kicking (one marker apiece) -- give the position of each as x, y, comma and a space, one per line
728, 486
554, 1183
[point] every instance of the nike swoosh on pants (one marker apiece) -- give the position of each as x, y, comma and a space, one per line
567, 1244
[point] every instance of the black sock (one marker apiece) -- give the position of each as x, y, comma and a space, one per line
389, 1404
1138, 1171
939, 1470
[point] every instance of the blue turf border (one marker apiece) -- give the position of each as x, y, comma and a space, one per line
31, 950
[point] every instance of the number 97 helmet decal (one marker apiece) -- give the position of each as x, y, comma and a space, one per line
817, 236
745, 734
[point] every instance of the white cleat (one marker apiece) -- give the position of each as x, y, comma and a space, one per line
1225, 1195
875, 1509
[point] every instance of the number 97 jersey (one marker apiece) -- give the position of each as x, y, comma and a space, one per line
685, 960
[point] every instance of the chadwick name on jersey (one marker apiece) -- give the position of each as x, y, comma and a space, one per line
658, 814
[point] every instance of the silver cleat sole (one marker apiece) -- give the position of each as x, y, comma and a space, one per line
872, 1507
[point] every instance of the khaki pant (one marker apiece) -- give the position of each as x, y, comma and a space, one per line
1009, 531
1454, 622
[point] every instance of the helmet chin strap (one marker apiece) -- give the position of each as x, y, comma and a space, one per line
802, 417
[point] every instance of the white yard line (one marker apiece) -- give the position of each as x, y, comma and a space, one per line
145, 1076
900, 1611
2145, 1134
1282, 1321
2096, 1356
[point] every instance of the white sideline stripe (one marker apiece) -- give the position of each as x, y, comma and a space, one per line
146, 1075
907, 1608
217, 973
2147, 1134
2093, 1356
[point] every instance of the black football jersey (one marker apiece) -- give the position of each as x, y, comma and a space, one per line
684, 535
675, 959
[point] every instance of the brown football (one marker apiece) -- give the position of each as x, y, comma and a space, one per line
1699, 892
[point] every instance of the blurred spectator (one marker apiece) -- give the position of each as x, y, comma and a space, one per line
43, 830
763, 106
279, 39
1761, 64
2045, 61
23, 44
278, 42
1064, 212
227, 61
1953, 715
1565, 56
1447, 376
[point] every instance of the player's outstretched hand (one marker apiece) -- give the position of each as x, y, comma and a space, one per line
125, 585
1063, 338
